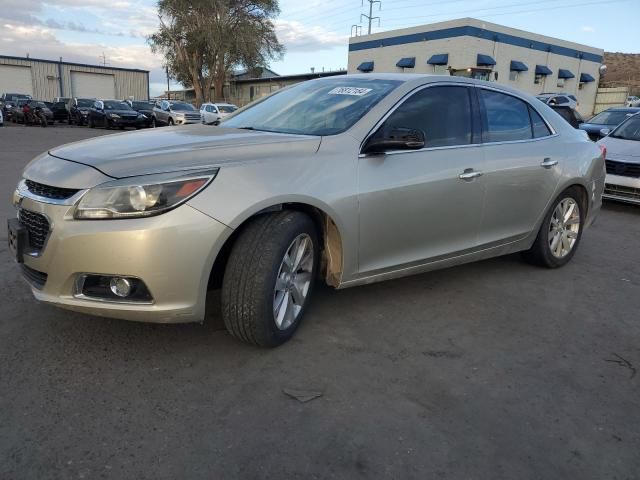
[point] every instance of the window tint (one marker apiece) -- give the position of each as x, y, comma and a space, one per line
507, 118
442, 113
540, 128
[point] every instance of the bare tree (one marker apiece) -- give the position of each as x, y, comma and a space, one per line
204, 40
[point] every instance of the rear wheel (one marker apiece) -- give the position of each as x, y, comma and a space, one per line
269, 278
170, 122
91, 124
560, 232
106, 124
154, 123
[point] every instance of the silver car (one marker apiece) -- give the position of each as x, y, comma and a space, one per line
344, 180
623, 161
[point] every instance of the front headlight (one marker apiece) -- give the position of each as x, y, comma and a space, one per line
142, 115
114, 115
141, 196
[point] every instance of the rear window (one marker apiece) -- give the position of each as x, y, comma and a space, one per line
610, 118
507, 117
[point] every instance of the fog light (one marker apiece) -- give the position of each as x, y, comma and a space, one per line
120, 286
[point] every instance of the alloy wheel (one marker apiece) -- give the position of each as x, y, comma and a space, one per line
293, 281
564, 227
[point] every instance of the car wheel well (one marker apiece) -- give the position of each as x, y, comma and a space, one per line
330, 239
584, 196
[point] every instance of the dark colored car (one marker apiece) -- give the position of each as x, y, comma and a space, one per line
59, 110
609, 119
9, 101
79, 109
571, 115
145, 108
18, 114
114, 114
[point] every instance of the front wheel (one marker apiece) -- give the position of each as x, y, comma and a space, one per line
170, 122
269, 278
91, 124
560, 232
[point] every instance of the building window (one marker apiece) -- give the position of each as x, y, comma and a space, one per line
440, 69
538, 79
560, 82
513, 75
580, 86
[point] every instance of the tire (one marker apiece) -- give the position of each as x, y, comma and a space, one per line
154, 122
106, 123
170, 122
256, 261
91, 124
549, 249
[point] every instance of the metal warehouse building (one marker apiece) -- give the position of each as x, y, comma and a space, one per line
46, 79
473, 48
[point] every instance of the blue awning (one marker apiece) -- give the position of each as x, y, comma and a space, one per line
586, 78
562, 73
543, 70
366, 67
517, 66
485, 60
439, 59
408, 62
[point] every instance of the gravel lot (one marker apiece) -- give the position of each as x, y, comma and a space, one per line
494, 370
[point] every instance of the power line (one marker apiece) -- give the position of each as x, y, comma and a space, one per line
370, 17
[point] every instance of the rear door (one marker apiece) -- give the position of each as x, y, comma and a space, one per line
523, 164
414, 206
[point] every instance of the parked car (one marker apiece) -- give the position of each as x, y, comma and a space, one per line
59, 110
1, 119
18, 115
212, 113
114, 114
9, 102
144, 108
171, 112
610, 118
350, 179
623, 161
558, 99
79, 109
633, 101
571, 115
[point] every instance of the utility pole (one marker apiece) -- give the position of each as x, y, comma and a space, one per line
356, 30
370, 17
104, 59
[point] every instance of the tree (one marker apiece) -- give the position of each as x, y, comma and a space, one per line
204, 40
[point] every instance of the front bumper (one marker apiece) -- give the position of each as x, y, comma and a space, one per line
172, 253
622, 189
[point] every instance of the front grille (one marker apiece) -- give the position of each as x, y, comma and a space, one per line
35, 278
48, 191
623, 169
192, 116
630, 193
38, 227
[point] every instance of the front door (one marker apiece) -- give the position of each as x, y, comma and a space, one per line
414, 205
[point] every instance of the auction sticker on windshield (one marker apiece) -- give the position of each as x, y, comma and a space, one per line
357, 91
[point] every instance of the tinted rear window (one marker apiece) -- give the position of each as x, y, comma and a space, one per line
507, 117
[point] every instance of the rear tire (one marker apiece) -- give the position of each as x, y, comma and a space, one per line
91, 124
265, 290
154, 123
560, 233
170, 122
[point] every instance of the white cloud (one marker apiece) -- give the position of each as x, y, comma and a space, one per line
588, 28
302, 38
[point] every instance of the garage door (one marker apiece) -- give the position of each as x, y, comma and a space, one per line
15, 79
93, 85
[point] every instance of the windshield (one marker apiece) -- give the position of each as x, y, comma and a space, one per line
610, 118
114, 105
85, 103
227, 108
142, 106
316, 107
182, 107
629, 130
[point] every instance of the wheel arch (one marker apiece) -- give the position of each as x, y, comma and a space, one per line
331, 239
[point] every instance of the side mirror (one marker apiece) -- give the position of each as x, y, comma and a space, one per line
396, 139
604, 132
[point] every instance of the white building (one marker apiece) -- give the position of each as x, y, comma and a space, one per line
473, 48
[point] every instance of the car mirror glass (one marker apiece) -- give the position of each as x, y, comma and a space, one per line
398, 138
604, 132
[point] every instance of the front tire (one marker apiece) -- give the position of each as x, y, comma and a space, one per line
560, 232
269, 278
170, 122
91, 124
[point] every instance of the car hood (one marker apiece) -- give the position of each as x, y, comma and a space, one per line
179, 148
121, 112
622, 150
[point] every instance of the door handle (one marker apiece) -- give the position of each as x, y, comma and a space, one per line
548, 163
469, 174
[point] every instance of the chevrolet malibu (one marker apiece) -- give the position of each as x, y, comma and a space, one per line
344, 180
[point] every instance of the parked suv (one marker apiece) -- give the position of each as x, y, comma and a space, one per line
171, 112
559, 99
212, 113
79, 109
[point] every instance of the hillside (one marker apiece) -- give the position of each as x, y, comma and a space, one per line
623, 69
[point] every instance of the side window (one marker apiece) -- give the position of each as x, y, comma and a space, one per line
442, 113
507, 117
540, 128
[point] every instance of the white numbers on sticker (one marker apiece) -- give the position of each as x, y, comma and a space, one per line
357, 91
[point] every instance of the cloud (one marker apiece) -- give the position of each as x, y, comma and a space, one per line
588, 28
297, 37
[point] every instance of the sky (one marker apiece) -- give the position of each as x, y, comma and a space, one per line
314, 32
